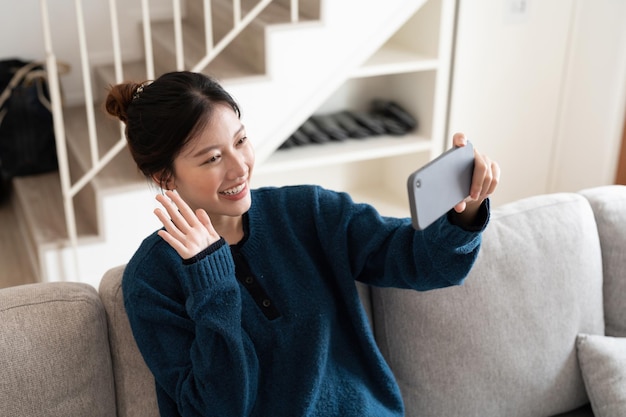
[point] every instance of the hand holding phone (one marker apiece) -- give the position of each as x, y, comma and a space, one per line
440, 185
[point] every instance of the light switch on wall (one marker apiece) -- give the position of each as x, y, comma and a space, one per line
516, 11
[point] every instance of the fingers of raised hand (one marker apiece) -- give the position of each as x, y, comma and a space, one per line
486, 177
459, 139
187, 232
486, 173
180, 213
459, 208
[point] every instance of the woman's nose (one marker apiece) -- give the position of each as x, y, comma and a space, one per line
239, 167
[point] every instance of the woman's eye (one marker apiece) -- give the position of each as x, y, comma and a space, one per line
242, 140
213, 159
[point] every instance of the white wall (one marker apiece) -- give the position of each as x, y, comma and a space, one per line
543, 94
21, 30
589, 129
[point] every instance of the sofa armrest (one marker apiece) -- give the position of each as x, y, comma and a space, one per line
134, 383
54, 352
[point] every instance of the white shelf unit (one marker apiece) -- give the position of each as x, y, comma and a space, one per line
412, 69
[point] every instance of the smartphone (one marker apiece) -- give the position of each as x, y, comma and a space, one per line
440, 185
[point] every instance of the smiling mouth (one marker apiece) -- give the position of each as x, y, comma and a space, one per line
235, 190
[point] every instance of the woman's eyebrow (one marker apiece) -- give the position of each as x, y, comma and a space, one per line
209, 148
241, 129
204, 151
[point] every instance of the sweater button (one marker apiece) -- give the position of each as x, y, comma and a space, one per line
249, 280
266, 303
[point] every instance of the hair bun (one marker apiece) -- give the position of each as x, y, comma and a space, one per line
119, 98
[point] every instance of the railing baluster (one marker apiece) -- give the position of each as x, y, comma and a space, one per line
178, 35
117, 51
59, 133
115, 34
228, 38
103, 162
294, 11
236, 12
147, 39
86, 70
208, 26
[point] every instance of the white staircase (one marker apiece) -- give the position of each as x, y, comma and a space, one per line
279, 72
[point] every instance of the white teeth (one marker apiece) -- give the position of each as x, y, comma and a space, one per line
235, 190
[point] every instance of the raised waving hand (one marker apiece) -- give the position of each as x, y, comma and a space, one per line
188, 232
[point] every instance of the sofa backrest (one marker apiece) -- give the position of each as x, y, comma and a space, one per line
54, 352
134, 383
609, 206
502, 344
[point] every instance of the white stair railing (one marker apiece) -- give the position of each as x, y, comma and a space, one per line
69, 189
147, 36
239, 24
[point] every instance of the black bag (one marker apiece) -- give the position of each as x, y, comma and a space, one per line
27, 144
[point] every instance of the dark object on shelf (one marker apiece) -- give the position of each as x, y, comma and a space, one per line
384, 117
299, 138
350, 125
393, 110
287, 144
374, 125
329, 125
313, 132
392, 126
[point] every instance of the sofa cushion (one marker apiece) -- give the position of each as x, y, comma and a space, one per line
609, 206
54, 352
134, 383
603, 362
502, 344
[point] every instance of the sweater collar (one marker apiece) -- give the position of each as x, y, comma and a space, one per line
254, 223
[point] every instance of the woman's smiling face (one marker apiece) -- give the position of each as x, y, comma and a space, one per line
213, 170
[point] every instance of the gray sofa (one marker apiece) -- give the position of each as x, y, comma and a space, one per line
509, 342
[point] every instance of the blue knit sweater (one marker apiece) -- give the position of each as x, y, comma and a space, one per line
274, 326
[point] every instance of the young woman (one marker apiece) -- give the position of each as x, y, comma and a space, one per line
245, 303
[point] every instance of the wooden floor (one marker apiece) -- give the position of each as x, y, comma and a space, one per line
14, 264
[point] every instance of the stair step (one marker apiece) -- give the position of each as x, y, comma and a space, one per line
18, 266
276, 12
244, 57
122, 170
104, 77
164, 45
44, 224
225, 66
309, 10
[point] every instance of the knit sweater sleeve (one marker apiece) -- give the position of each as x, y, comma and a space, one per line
388, 252
186, 320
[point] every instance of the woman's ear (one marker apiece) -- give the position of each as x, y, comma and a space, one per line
164, 180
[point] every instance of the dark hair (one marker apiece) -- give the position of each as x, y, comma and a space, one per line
162, 116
